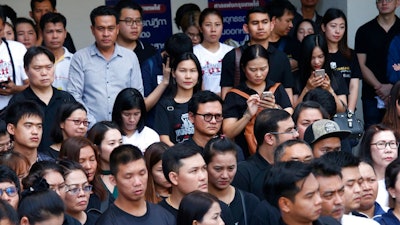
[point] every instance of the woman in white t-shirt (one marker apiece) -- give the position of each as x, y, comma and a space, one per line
129, 114
211, 52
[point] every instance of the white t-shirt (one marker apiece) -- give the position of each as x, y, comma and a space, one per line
211, 64
383, 195
143, 139
61, 73
351, 220
18, 51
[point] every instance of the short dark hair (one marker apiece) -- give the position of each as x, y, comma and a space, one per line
341, 159
391, 173
128, 4
282, 178
97, 132
39, 170
277, 8
3, 127
7, 212
127, 99
218, 145
103, 11
52, 18
63, 113
281, 148
52, 2
324, 168
68, 166
15, 111
267, 121
202, 97
365, 145
124, 154
182, 10
324, 98
37, 50
2, 14
308, 105
20, 20
257, 9
8, 13
171, 159
9, 175
194, 206
177, 44
209, 11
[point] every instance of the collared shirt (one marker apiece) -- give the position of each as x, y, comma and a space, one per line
95, 81
378, 212
61, 72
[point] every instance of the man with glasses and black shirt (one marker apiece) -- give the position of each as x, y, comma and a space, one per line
272, 127
205, 112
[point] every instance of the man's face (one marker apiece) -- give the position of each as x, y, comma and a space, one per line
105, 31
41, 8
385, 7
130, 33
306, 118
330, 144
40, 72
11, 189
259, 27
28, 132
298, 152
309, 3
54, 35
331, 190
131, 180
306, 206
283, 24
201, 126
191, 176
287, 131
352, 181
369, 186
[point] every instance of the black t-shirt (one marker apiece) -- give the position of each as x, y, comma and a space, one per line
155, 215
349, 68
235, 106
144, 51
193, 144
265, 214
279, 68
237, 208
373, 40
250, 175
288, 45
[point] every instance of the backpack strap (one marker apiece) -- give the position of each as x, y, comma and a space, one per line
238, 55
274, 87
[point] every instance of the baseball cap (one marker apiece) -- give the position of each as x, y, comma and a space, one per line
322, 129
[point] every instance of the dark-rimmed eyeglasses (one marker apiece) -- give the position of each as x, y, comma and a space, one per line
129, 21
75, 189
10, 191
383, 144
208, 117
79, 122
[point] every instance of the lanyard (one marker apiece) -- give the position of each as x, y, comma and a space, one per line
11, 58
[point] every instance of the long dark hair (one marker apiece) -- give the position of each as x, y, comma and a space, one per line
391, 118
194, 206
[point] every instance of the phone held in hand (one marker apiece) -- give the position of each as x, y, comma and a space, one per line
266, 94
319, 73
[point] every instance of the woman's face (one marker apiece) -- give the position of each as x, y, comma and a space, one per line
212, 28
395, 192
87, 159
56, 182
69, 127
158, 176
130, 119
317, 58
9, 32
222, 170
213, 216
382, 157
256, 70
306, 118
194, 33
112, 139
305, 28
76, 202
26, 34
186, 75
334, 30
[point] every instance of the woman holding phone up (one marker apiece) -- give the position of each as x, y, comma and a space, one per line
315, 72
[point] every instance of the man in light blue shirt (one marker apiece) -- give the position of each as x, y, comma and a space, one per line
99, 72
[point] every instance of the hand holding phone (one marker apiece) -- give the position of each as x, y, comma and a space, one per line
319, 73
266, 94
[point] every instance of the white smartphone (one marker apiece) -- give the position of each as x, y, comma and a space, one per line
319, 72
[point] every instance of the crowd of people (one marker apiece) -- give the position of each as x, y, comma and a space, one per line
201, 132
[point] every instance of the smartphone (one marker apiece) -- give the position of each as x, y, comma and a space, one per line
266, 94
319, 73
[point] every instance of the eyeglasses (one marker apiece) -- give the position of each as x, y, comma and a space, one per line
129, 21
10, 191
208, 117
381, 1
293, 131
383, 144
75, 190
79, 122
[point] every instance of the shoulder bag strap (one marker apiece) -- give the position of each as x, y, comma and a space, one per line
243, 206
11, 59
239, 92
238, 55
